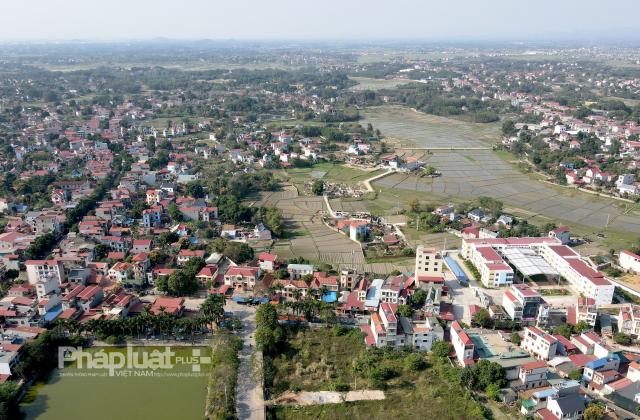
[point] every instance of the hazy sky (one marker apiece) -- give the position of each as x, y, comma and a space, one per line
299, 19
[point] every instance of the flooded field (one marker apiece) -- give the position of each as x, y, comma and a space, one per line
429, 131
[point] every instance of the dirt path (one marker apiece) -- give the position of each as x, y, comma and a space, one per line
249, 396
367, 182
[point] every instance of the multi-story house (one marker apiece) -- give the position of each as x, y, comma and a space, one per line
629, 320
462, 344
296, 271
525, 305
384, 329
155, 196
242, 278
267, 262
349, 279
391, 290
141, 245
121, 272
47, 276
428, 263
533, 375
90, 297
140, 265
587, 311
540, 345
151, 216
421, 336
185, 255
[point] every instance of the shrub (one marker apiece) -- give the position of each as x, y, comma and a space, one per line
440, 349
414, 363
382, 373
338, 387
112, 339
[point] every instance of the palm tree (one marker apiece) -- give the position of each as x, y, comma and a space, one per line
279, 287
355, 369
311, 292
322, 291
297, 294
370, 362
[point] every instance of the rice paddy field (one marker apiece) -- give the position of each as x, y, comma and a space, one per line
365, 83
429, 131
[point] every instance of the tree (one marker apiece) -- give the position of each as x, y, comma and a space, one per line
487, 373
265, 338
622, 338
318, 187
581, 326
515, 338
576, 375
194, 189
355, 369
430, 170
162, 284
155, 257
12, 274
238, 252
138, 208
440, 349
565, 330
167, 238
274, 220
174, 212
413, 206
184, 243
418, 298
482, 318
266, 316
493, 392
404, 310
594, 411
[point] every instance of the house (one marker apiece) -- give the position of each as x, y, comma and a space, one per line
561, 233
185, 255
242, 278
142, 246
533, 375
259, 233
428, 262
628, 320
462, 345
121, 271
151, 216
629, 261
267, 262
168, 306
357, 229
229, 230
208, 273
540, 345
296, 271
6, 204
477, 215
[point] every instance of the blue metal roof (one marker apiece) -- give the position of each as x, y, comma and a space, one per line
596, 364
53, 313
455, 268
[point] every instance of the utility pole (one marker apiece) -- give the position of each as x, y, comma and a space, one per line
607, 225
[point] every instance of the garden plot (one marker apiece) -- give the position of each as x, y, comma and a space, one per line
429, 131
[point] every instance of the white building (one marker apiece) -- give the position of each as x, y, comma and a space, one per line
540, 345
630, 261
561, 233
462, 344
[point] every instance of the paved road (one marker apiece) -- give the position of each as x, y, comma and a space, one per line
249, 401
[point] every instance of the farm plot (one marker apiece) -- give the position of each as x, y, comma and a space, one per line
488, 176
429, 131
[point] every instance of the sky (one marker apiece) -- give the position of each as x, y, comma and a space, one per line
509, 20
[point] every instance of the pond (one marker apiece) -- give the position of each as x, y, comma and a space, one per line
175, 390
